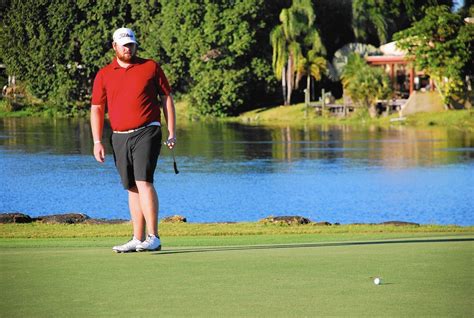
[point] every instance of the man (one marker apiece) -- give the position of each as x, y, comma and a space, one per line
129, 88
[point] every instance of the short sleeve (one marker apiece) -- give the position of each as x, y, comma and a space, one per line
163, 85
99, 95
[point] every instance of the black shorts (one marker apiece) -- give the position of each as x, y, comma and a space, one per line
136, 154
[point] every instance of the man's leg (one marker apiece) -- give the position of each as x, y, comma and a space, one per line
148, 200
138, 221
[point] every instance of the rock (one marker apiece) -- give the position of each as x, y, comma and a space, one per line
15, 217
68, 218
290, 220
174, 219
324, 223
399, 223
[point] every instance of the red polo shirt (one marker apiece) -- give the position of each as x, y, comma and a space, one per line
130, 94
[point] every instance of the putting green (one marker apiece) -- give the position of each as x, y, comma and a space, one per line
421, 277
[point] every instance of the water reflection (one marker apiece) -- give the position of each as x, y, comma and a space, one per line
234, 172
390, 147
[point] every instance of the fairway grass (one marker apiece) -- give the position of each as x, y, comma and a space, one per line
268, 275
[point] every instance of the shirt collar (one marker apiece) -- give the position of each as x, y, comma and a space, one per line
135, 61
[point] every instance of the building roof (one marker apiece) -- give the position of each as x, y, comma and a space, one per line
391, 48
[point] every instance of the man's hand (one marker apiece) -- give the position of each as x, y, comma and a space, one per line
170, 143
99, 152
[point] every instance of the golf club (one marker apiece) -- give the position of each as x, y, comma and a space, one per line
175, 166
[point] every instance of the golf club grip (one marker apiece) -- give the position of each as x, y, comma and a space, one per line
175, 167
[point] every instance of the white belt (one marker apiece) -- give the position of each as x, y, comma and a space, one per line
153, 123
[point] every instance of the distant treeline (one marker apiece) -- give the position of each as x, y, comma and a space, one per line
217, 53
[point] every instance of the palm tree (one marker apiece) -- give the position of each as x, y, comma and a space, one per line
341, 57
380, 18
370, 14
280, 57
288, 41
314, 65
364, 84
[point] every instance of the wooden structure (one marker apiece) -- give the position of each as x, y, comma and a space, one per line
399, 67
403, 79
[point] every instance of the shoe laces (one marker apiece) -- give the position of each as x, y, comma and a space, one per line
150, 238
131, 243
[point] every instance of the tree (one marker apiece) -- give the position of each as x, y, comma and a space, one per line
314, 65
212, 51
56, 46
36, 46
370, 16
221, 67
365, 84
441, 45
289, 41
375, 21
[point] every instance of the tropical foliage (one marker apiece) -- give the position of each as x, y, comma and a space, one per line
365, 84
313, 66
26, 46
215, 52
294, 38
223, 56
341, 57
441, 45
375, 21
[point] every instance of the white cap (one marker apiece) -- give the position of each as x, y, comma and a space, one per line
123, 36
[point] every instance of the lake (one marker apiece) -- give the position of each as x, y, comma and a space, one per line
233, 172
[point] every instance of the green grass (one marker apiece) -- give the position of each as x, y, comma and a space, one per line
295, 115
41, 230
462, 119
309, 275
238, 269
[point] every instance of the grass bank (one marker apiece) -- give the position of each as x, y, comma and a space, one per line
41, 230
215, 234
294, 115
300, 115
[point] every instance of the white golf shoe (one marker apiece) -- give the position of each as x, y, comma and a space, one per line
130, 246
152, 243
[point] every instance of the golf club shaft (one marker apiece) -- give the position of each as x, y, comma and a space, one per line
175, 166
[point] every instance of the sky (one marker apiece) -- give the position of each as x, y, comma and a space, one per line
458, 4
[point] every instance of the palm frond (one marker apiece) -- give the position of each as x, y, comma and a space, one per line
278, 42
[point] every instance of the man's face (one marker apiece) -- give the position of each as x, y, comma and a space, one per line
125, 52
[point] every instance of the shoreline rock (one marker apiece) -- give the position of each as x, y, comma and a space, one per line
174, 219
81, 218
400, 223
288, 219
15, 217
67, 218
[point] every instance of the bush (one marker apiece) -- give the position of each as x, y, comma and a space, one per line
365, 84
219, 92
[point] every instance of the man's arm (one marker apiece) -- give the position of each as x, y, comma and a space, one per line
170, 116
97, 125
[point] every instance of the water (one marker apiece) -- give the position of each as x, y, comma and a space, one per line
233, 172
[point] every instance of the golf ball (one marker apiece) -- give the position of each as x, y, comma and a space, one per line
377, 281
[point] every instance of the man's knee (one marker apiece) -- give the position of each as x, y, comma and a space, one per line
144, 185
